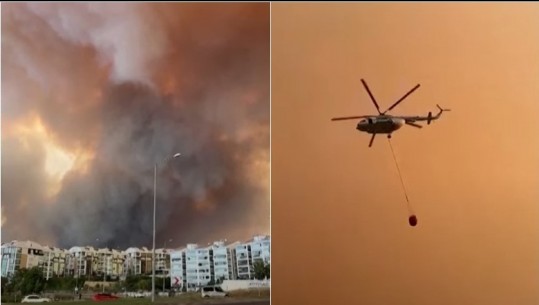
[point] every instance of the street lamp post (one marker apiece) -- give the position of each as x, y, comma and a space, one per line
154, 208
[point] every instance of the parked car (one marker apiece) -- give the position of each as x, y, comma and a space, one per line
213, 291
138, 294
34, 298
104, 297
141, 294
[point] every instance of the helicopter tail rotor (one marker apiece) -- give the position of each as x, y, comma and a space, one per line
442, 109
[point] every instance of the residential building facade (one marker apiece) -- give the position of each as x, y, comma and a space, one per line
244, 264
189, 268
177, 269
221, 261
21, 254
197, 267
246, 254
261, 249
55, 262
80, 261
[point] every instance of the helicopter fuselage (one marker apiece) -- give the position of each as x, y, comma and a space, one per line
380, 124
387, 124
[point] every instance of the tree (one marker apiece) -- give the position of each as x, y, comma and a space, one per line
144, 284
138, 282
220, 280
167, 283
4, 284
28, 281
63, 283
116, 287
267, 270
262, 270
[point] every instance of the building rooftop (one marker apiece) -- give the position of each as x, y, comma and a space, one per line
90, 249
23, 244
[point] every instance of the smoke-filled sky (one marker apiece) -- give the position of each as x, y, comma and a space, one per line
93, 94
339, 218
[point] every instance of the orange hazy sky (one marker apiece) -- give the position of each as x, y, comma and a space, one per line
339, 218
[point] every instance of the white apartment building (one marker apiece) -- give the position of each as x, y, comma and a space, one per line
190, 267
80, 261
193, 266
261, 249
108, 261
197, 267
244, 265
100, 261
257, 249
20, 254
138, 261
221, 262
116, 264
55, 262
177, 269
232, 260
162, 262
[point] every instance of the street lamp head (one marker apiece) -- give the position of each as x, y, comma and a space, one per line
176, 155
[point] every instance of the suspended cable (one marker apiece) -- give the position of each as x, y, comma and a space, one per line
412, 219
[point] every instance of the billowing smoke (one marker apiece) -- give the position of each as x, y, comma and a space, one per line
113, 89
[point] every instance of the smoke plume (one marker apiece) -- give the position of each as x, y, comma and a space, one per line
95, 94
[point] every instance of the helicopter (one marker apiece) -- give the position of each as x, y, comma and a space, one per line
385, 123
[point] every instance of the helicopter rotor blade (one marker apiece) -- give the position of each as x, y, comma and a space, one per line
370, 94
349, 117
402, 98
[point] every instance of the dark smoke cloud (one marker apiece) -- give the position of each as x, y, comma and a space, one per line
130, 84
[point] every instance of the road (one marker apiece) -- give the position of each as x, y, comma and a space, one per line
223, 302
